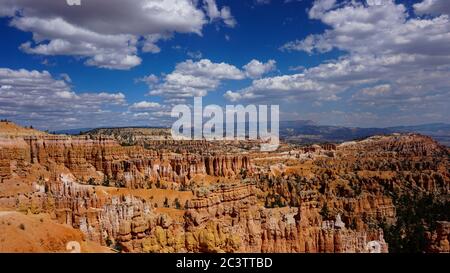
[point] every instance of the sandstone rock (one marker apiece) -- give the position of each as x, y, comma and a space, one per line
438, 240
278, 211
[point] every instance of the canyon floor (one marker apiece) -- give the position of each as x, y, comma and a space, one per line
136, 190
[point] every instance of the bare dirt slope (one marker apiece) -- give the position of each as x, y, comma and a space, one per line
38, 233
8, 129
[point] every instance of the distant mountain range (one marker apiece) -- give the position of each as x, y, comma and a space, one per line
307, 132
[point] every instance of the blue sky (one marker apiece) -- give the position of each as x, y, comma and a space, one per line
352, 63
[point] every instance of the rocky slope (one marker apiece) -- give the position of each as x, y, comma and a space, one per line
104, 161
300, 199
39, 233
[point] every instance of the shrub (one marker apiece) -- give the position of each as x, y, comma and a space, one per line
91, 181
325, 212
416, 215
176, 203
105, 181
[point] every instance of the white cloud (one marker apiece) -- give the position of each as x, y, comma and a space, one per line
370, 94
310, 44
376, 91
66, 77
227, 18
232, 96
38, 98
151, 40
194, 54
197, 78
214, 14
141, 115
149, 80
145, 105
107, 39
206, 68
255, 69
192, 78
211, 9
320, 7
376, 29
108, 51
393, 63
49, 103
286, 88
297, 68
434, 7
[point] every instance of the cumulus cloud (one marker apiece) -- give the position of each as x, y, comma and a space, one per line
206, 68
255, 69
297, 68
195, 78
434, 7
194, 54
151, 40
36, 97
107, 39
384, 29
145, 105
311, 44
214, 14
149, 80
287, 88
393, 62
66, 77
320, 7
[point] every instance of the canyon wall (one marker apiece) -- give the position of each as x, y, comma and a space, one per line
103, 161
226, 219
333, 199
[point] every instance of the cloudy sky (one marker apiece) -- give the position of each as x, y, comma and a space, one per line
115, 63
